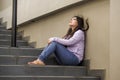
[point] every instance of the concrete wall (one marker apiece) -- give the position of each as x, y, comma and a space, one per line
29, 9
114, 40
6, 11
98, 35
5, 4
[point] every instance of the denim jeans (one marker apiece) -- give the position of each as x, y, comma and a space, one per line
62, 54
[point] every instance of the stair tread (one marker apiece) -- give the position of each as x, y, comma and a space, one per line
1, 25
20, 48
40, 70
7, 46
6, 34
5, 30
15, 56
10, 40
19, 51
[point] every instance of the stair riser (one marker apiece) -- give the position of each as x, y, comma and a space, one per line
24, 60
0, 21
47, 78
5, 32
41, 71
11, 60
20, 52
5, 37
7, 60
9, 43
2, 27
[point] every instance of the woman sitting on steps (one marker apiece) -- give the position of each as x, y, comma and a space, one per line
68, 50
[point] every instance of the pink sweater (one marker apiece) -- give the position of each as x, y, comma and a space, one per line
75, 44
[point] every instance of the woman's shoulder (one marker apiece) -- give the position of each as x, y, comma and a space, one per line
79, 31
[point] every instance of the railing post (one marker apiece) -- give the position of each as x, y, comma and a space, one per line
14, 24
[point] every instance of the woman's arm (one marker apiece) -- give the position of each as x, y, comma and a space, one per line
78, 35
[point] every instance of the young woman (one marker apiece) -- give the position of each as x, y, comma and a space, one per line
68, 50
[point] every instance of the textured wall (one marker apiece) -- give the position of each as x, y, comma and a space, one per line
114, 40
29, 9
6, 11
98, 34
5, 4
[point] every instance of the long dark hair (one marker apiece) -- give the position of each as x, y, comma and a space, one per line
80, 26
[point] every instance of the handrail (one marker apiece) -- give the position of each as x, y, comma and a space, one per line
14, 24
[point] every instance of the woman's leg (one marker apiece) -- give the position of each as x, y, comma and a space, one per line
63, 55
48, 50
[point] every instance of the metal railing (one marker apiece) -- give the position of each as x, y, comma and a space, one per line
14, 24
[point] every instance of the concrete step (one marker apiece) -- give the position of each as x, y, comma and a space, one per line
37, 70
2, 27
0, 21
20, 51
48, 78
19, 42
5, 31
8, 46
8, 37
23, 60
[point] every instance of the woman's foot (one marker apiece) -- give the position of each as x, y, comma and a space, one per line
37, 62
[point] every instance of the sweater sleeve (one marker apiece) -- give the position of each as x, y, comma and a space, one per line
78, 35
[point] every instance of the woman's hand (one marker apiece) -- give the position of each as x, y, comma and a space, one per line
49, 41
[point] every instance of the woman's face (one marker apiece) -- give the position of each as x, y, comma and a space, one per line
73, 22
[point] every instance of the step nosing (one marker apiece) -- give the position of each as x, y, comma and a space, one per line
28, 56
8, 46
5, 35
10, 40
55, 76
2, 26
5, 30
20, 48
15, 56
7, 55
43, 66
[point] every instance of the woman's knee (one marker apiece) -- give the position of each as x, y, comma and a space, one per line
55, 43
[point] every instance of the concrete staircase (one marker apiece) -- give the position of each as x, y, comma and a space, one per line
5, 37
13, 63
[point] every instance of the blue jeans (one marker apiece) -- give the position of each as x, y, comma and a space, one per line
63, 55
